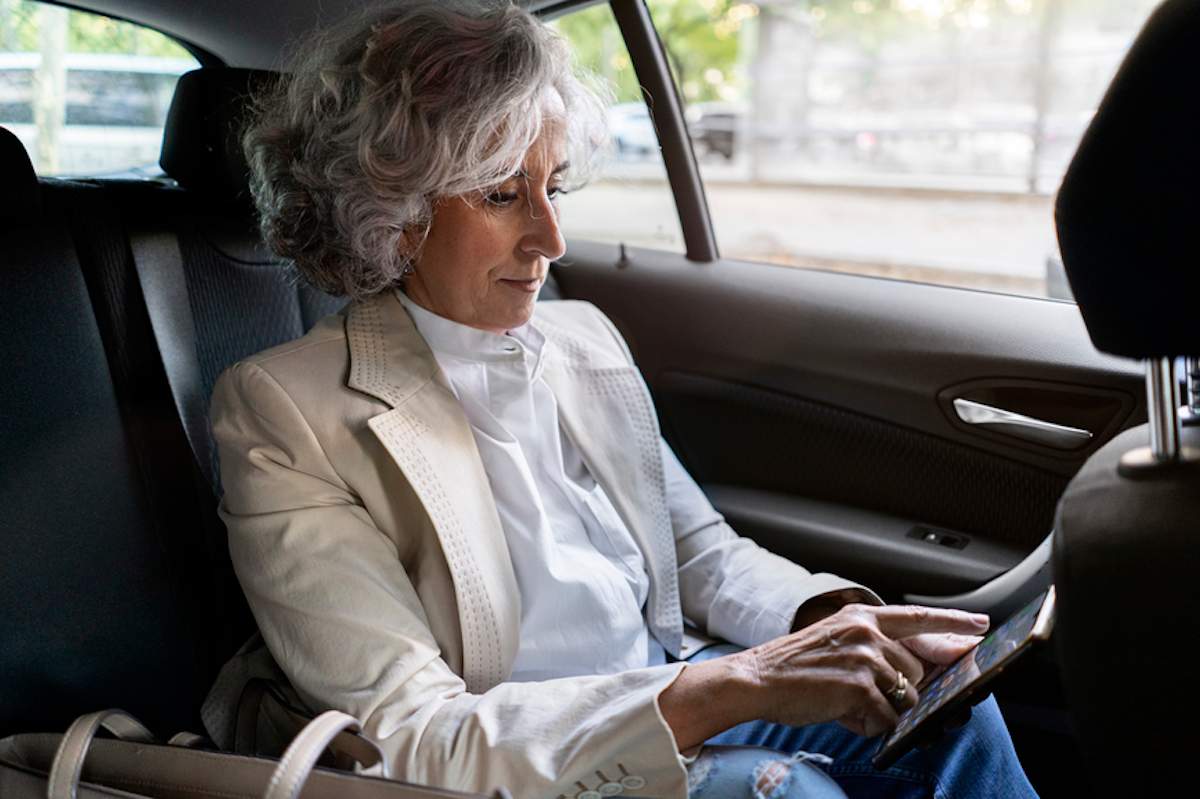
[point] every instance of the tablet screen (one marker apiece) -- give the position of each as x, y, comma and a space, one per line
991, 652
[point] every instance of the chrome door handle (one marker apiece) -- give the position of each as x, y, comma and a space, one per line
1024, 427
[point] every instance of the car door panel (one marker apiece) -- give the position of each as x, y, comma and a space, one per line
889, 553
812, 386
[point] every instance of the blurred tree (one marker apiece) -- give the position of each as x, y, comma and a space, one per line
18, 26
50, 87
701, 37
91, 33
8, 25
86, 33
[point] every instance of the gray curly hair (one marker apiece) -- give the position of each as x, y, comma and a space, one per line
374, 121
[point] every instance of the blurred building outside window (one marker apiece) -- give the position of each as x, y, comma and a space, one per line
914, 139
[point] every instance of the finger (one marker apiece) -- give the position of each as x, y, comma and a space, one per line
888, 685
904, 621
880, 716
903, 661
940, 648
854, 724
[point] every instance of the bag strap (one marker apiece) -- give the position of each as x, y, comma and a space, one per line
301, 755
67, 765
346, 747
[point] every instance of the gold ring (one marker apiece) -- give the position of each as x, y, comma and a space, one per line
898, 694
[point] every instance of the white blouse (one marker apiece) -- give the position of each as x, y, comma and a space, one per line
582, 578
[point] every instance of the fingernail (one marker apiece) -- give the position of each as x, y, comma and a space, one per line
981, 619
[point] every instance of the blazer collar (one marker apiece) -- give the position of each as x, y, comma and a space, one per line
388, 358
427, 435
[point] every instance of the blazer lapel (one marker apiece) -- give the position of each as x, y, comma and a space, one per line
427, 434
609, 415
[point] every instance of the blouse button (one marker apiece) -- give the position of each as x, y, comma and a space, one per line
633, 782
611, 789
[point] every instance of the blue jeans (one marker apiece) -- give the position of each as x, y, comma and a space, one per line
975, 761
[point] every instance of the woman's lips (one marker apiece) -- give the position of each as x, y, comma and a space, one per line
530, 286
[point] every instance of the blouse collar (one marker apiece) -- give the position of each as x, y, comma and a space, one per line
446, 337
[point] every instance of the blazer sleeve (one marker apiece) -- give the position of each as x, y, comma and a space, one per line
729, 585
344, 622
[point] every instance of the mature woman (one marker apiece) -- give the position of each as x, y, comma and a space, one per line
450, 507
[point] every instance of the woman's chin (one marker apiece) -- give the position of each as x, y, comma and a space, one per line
509, 320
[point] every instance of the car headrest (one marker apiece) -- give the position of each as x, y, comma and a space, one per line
1128, 208
202, 147
21, 196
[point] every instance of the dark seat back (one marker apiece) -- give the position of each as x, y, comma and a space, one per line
95, 610
1127, 538
241, 298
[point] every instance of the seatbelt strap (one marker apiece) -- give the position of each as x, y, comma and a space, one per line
159, 264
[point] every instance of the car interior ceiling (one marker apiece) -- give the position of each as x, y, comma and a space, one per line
134, 296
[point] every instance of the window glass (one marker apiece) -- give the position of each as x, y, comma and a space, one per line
915, 139
86, 95
630, 200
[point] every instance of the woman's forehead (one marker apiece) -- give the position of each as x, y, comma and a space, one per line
548, 152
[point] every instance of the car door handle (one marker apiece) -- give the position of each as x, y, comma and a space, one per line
1020, 426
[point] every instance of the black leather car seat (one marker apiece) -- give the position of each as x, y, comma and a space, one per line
1127, 545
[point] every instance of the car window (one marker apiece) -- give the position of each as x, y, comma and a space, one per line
629, 201
86, 95
914, 139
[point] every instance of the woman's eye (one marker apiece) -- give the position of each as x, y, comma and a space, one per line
501, 198
554, 192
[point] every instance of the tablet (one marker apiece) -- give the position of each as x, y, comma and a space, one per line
962, 683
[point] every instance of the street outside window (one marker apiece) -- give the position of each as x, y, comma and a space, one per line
920, 140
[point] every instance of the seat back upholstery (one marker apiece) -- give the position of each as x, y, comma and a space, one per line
241, 298
1127, 537
95, 609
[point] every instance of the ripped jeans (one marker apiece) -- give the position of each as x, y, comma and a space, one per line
762, 760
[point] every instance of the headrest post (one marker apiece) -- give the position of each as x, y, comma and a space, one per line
1163, 398
1192, 369
1162, 404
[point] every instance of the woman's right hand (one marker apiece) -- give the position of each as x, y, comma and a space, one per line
843, 667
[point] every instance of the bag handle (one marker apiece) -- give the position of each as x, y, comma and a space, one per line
67, 765
301, 755
345, 746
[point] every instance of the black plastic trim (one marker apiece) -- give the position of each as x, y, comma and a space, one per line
873, 548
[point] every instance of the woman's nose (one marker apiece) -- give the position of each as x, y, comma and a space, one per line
543, 236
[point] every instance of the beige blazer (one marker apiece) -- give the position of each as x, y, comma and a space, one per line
365, 535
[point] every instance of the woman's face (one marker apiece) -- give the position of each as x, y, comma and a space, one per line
484, 260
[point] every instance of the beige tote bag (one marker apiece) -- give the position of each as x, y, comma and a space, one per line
77, 765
